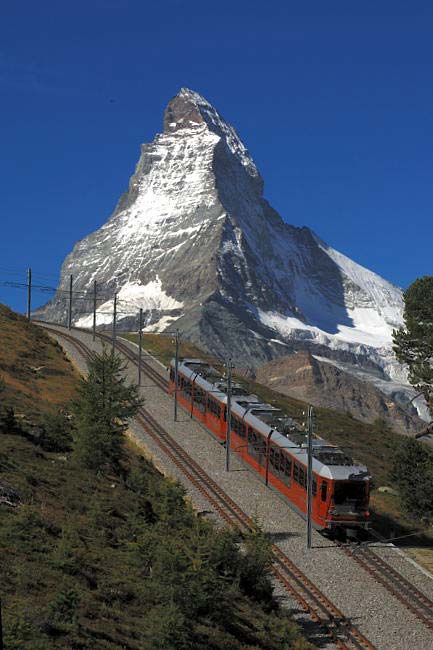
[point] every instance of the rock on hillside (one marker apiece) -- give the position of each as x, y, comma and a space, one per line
320, 382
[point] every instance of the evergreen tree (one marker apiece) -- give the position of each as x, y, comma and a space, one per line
56, 432
412, 471
105, 403
256, 566
413, 343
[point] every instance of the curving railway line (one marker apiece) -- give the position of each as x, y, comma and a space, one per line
321, 610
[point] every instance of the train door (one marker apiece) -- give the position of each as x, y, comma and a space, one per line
323, 498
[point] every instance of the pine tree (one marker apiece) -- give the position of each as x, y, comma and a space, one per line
412, 471
256, 565
105, 403
413, 343
56, 432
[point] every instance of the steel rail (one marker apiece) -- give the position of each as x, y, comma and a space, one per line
409, 595
321, 610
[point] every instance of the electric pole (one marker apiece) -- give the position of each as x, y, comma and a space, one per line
94, 310
309, 474
114, 321
176, 375
70, 303
140, 343
29, 293
228, 412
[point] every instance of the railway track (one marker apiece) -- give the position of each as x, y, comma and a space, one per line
148, 369
313, 602
417, 602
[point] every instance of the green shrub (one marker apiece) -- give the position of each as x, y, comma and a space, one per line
56, 432
63, 608
412, 471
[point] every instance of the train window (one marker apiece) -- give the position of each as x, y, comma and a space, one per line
200, 395
348, 491
288, 467
252, 442
256, 446
171, 374
302, 477
281, 464
261, 450
186, 386
272, 456
285, 468
237, 426
214, 407
199, 399
323, 490
296, 472
314, 486
276, 459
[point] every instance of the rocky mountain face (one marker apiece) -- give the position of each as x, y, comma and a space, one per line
322, 383
194, 243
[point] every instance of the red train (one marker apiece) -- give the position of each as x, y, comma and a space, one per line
275, 446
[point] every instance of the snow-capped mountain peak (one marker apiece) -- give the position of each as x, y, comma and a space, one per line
189, 110
195, 244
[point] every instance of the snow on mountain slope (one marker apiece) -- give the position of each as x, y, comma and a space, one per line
373, 307
193, 242
130, 299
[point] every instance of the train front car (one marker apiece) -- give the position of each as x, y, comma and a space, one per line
347, 491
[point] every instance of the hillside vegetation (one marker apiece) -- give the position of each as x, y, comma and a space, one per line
106, 560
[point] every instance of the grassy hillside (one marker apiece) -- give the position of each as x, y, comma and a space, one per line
37, 374
370, 444
104, 561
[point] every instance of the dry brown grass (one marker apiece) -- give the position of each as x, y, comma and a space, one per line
36, 372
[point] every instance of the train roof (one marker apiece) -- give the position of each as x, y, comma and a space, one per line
329, 461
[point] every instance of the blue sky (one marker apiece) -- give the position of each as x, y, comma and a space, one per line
333, 99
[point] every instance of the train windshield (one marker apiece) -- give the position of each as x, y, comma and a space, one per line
345, 491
